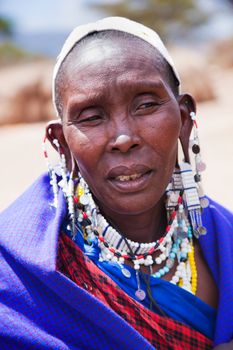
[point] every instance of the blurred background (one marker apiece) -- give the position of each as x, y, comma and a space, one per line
199, 35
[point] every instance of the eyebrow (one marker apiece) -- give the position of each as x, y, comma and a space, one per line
97, 96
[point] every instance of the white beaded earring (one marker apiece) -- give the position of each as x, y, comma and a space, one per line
199, 164
184, 181
193, 197
173, 190
60, 177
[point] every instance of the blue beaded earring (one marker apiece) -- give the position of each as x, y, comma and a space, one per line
184, 181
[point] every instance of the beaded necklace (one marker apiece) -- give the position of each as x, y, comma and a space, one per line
175, 246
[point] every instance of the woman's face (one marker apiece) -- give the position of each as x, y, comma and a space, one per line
121, 122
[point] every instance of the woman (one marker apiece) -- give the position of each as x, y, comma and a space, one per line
112, 251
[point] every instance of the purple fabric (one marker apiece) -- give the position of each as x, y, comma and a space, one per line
39, 307
217, 247
42, 309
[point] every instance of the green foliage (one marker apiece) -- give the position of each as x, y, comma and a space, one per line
5, 26
166, 16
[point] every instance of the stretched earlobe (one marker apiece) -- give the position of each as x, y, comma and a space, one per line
54, 134
187, 106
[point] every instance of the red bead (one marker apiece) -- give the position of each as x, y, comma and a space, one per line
173, 214
179, 200
85, 215
101, 239
168, 228
76, 200
139, 257
112, 250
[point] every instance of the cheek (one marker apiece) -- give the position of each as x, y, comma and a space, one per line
84, 149
78, 143
162, 133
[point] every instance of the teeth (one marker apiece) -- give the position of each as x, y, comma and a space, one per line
128, 177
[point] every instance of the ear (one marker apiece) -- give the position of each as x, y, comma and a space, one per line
187, 105
54, 131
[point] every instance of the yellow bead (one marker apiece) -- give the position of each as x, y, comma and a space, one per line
80, 191
193, 267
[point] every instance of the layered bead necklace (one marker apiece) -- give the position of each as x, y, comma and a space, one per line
175, 247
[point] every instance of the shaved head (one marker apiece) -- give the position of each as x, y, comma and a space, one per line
116, 38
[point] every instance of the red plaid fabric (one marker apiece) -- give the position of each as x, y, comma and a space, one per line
162, 332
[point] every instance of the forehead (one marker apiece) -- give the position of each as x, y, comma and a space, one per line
106, 57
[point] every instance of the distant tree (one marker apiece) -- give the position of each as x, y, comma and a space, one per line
5, 26
168, 17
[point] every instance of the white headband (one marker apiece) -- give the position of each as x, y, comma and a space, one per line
112, 23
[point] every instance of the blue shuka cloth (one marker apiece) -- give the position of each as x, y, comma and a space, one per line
173, 300
42, 309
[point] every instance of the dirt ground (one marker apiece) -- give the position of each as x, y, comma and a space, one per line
22, 158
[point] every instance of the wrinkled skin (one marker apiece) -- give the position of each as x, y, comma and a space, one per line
119, 110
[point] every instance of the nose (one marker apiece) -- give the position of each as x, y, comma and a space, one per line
124, 142
123, 131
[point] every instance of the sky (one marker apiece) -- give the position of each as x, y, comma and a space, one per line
47, 15
34, 21
41, 26
62, 15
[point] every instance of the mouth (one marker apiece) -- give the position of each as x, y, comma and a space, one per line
132, 177
128, 180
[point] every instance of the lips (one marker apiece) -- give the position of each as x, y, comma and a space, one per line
122, 170
129, 179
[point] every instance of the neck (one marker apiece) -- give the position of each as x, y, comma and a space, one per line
144, 227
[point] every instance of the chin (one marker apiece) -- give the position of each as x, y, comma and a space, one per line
134, 206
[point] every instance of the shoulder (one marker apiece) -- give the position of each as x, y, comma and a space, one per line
27, 219
219, 224
29, 228
218, 214
30, 201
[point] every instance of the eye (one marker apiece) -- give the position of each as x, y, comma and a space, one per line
87, 117
92, 121
146, 105
92, 118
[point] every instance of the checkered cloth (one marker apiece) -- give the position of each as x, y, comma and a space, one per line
162, 332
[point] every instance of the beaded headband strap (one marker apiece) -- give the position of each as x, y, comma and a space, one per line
112, 23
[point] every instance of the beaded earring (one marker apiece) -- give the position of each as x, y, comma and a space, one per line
200, 166
52, 173
66, 183
183, 180
173, 190
191, 199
